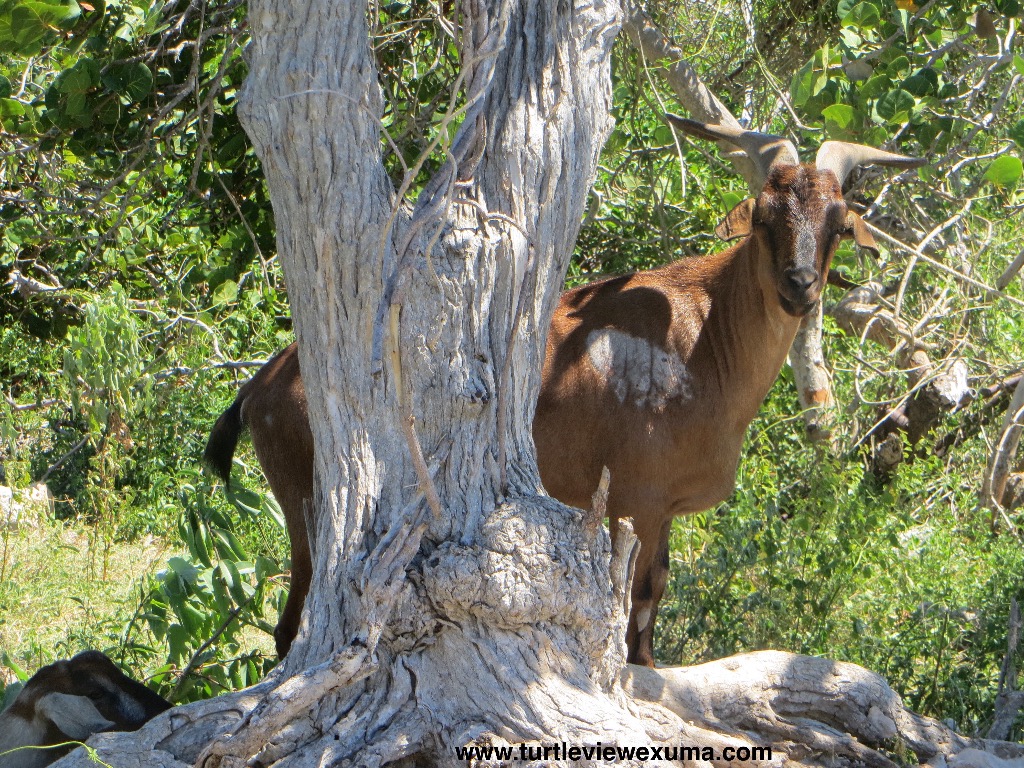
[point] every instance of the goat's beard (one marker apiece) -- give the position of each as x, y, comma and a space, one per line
794, 309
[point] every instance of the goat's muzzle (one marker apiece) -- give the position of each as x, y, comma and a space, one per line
799, 290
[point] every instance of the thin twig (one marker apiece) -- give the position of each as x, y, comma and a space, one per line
991, 290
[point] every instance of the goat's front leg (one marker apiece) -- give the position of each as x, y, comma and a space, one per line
649, 579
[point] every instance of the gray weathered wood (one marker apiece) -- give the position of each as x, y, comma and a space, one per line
498, 614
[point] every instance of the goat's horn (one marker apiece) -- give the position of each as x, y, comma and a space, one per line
764, 149
841, 158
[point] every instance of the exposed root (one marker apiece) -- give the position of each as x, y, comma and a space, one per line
810, 710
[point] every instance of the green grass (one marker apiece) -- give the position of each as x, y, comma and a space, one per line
63, 589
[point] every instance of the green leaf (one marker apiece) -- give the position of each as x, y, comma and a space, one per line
1017, 133
11, 108
221, 595
109, 112
177, 642
82, 77
13, 665
227, 544
865, 15
5, 87
844, 7
922, 82
840, 120
662, 135
247, 502
898, 66
1018, 64
807, 83
72, 13
184, 569
192, 619
273, 509
894, 105
27, 27
1005, 171
731, 199
903, 19
225, 293
1008, 7
875, 86
234, 581
132, 81
31, 20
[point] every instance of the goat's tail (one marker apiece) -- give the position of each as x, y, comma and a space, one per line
220, 448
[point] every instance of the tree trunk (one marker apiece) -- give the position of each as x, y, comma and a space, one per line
453, 601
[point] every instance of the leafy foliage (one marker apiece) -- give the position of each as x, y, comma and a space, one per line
201, 604
137, 235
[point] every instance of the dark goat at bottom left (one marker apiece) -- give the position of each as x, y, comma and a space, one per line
70, 700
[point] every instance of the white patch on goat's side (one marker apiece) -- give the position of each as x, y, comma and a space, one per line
637, 370
643, 618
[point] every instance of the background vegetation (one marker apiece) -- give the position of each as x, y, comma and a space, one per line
136, 241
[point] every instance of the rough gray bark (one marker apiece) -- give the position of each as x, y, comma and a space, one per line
492, 614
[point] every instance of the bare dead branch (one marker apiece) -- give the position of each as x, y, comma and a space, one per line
1011, 271
1009, 700
998, 470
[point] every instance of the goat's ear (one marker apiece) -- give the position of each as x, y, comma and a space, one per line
738, 222
75, 716
858, 230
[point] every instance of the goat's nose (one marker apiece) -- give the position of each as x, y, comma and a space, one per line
801, 278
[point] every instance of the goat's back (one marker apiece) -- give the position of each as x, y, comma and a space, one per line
272, 404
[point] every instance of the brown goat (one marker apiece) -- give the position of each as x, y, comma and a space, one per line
655, 375
70, 701
272, 404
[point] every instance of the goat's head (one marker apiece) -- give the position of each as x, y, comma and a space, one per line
75, 698
799, 215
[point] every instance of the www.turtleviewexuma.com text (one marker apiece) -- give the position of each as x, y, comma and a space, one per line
609, 753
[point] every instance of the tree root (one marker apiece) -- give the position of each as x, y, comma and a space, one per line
812, 711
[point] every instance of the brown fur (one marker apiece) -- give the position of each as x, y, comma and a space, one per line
720, 327
273, 406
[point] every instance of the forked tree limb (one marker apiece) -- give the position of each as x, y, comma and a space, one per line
933, 388
683, 79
